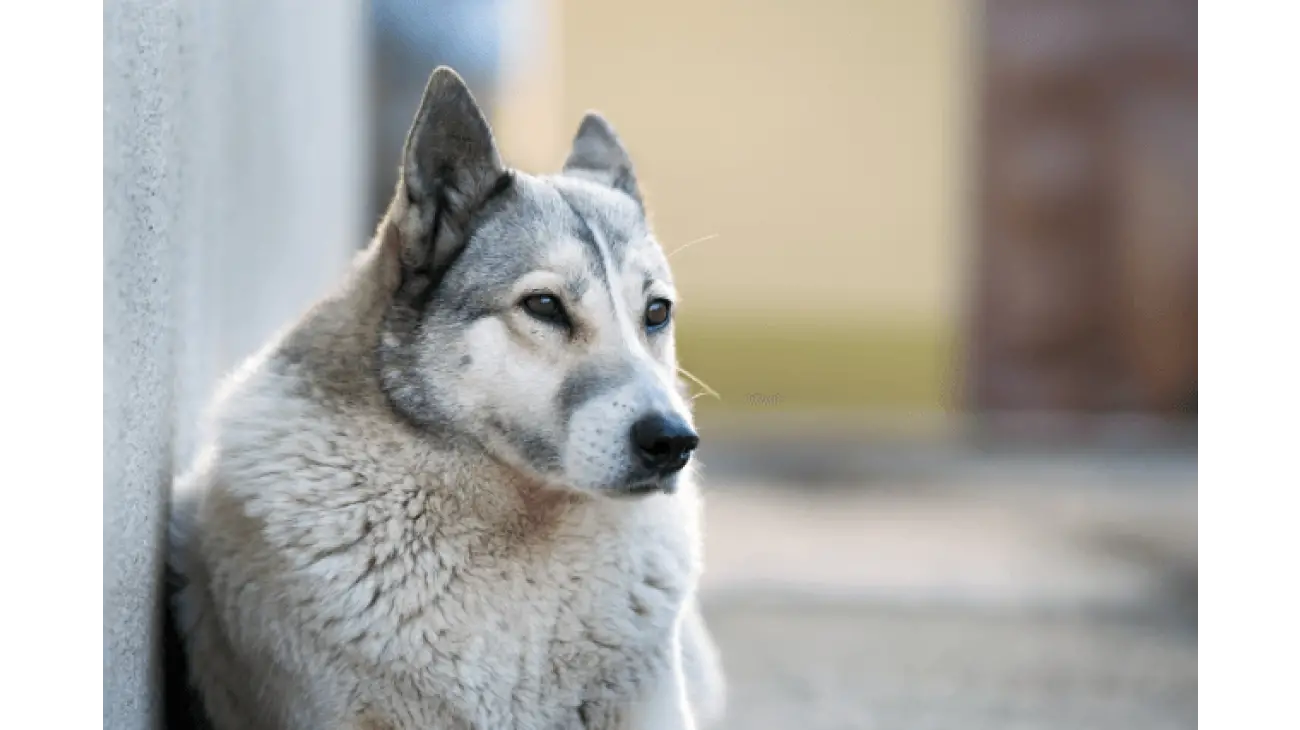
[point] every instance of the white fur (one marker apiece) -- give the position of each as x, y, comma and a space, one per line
342, 567
344, 570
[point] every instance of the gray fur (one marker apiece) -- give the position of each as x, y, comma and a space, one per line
536, 448
599, 155
419, 508
590, 381
622, 221
449, 165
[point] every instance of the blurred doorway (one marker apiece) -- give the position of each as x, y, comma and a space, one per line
1085, 272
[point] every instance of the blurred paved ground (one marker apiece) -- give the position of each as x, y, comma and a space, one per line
1007, 598
817, 667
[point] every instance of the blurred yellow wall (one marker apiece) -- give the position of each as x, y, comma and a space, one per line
822, 142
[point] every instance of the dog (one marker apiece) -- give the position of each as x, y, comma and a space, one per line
459, 491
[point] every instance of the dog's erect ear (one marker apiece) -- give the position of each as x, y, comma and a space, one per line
598, 155
450, 166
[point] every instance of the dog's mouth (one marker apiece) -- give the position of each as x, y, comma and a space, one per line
647, 488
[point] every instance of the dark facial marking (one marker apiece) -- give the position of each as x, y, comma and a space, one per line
608, 213
466, 311
576, 286
582, 231
536, 449
586, 383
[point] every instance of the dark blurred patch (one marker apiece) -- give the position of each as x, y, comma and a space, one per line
1085, 265
1170, 553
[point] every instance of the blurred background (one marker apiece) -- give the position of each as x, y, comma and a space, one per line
930, 207
937, 260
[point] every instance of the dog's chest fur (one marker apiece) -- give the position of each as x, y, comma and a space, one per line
417, 588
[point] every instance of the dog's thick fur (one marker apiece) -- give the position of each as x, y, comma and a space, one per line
418, 509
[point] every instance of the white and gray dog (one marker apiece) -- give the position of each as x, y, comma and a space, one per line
456, 493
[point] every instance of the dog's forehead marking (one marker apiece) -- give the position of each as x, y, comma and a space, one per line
526, 231
620, 222
586, 233
570, 259
534, 225
617, 217
618, 299
594, 234
594, 239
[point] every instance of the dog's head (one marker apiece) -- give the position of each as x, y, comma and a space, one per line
533, 314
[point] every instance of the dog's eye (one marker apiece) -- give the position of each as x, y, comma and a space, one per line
657, 314
544, 307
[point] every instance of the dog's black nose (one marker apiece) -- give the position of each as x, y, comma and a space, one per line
664, 443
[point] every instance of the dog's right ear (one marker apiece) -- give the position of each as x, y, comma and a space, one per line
450, 166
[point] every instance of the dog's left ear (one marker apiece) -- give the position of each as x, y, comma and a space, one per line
450, 166
599, 156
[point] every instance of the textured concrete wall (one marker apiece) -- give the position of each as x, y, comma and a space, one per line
233, 194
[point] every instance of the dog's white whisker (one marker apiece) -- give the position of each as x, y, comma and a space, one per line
707, 390
685, 246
